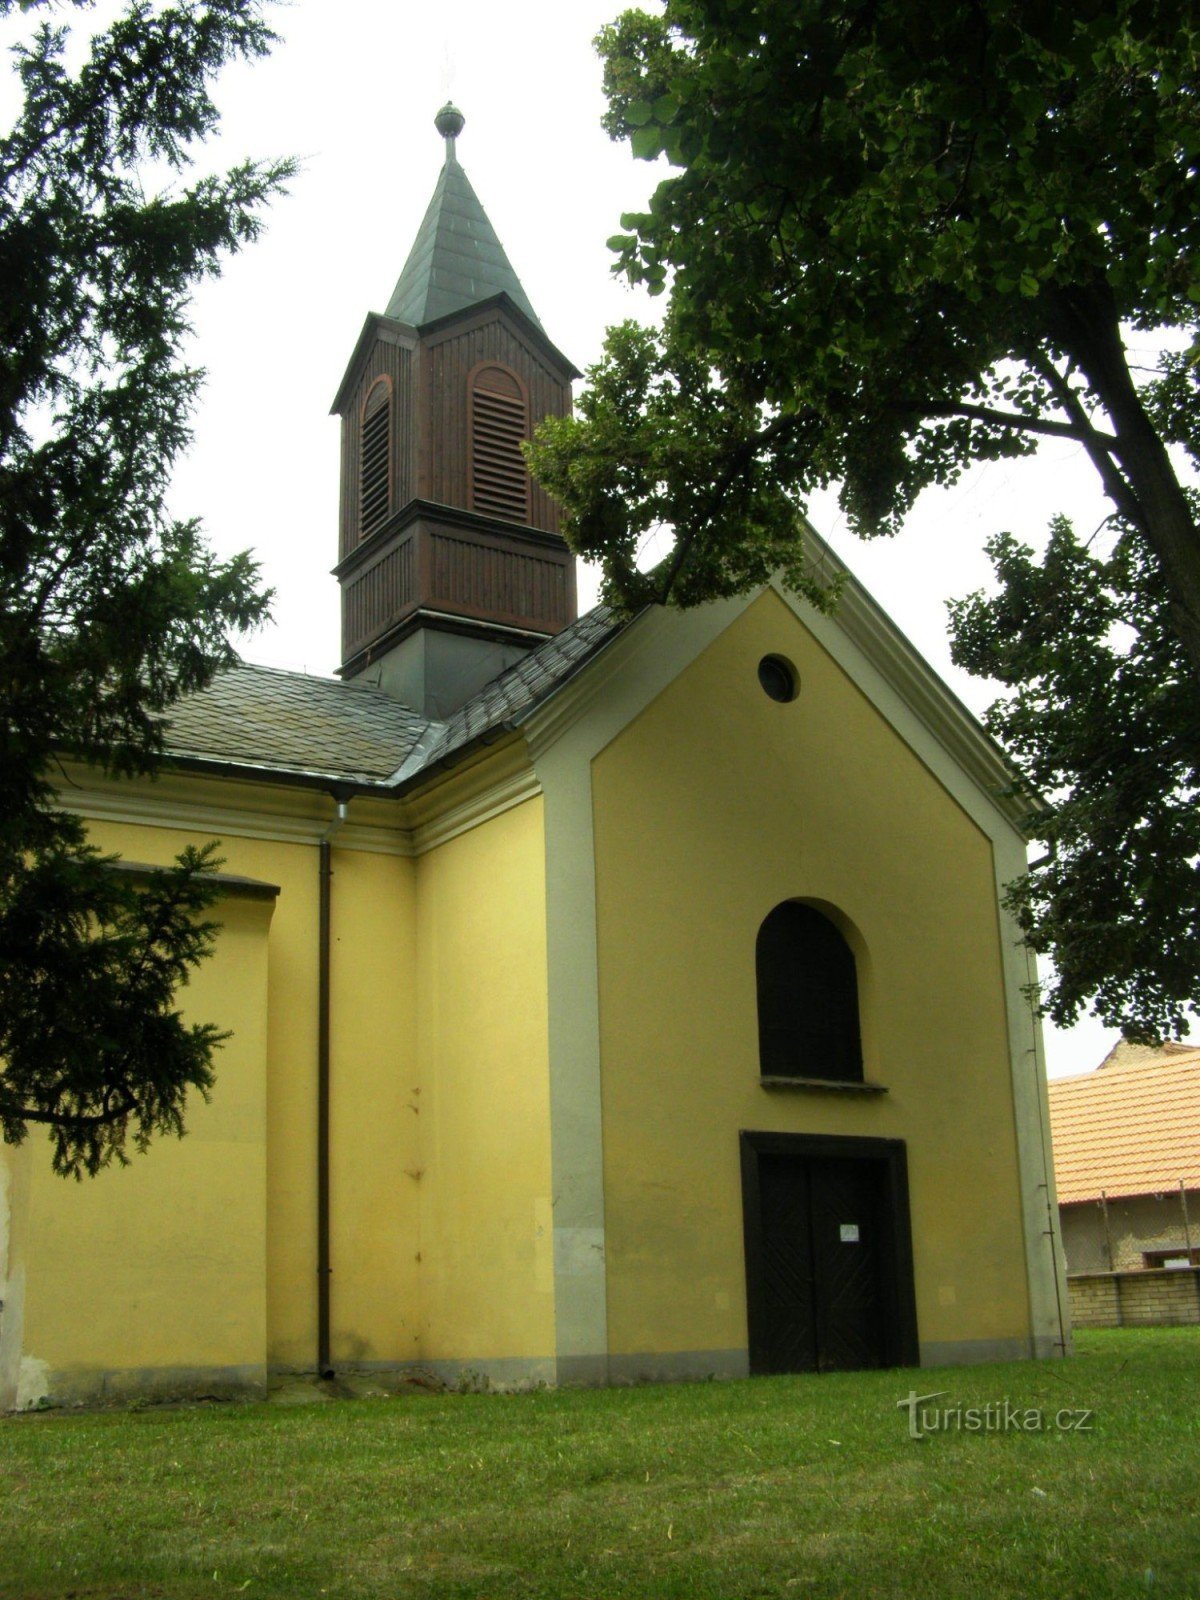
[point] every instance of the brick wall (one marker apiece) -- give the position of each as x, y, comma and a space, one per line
1094, 1302
1163, 1298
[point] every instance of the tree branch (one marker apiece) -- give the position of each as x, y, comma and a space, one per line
1019, 420
63, 1119
1093, 441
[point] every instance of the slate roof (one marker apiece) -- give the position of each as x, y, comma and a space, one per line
456, 259
269, 719
1131, 1127
290, 722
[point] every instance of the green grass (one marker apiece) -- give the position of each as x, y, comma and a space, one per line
806, 1487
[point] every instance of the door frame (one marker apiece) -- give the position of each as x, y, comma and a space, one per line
901, 1345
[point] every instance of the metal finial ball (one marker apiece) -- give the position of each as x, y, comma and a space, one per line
449, 121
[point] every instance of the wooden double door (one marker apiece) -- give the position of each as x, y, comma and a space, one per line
828, 1253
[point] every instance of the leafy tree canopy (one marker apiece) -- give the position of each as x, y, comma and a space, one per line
110, 609
1104, 721
900, 237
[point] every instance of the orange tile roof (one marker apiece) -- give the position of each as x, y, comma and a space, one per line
1131, 1127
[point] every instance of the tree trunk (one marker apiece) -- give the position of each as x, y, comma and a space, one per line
1085, 325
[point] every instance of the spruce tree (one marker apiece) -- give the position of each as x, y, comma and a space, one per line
110, 607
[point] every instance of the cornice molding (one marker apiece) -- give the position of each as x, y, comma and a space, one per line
496, 781
375, 328
506, 794
518, 538
152, 805
492, 782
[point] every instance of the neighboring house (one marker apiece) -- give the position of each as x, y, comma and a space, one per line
609, 1000
1127, 1169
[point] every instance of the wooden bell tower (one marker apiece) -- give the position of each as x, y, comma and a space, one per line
451, 565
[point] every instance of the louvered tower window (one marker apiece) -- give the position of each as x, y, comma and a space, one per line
373, 484
499, 422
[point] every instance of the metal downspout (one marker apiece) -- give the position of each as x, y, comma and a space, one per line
324, 1266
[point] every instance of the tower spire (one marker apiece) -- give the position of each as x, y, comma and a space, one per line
451, 564
456, 259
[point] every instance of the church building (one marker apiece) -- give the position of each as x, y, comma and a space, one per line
609, 999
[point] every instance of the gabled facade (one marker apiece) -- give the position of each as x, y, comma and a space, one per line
643, 1010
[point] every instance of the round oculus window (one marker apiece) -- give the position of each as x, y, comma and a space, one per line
778, 678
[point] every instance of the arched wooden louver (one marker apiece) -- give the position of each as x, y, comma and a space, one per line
499, 422
374, 485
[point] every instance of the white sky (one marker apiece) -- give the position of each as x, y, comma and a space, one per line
352, 90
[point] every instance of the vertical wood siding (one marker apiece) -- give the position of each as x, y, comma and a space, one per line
446, 367
374, 598
520, 590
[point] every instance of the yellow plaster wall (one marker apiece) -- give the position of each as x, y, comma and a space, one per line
483, 1109
291, 1058
710, 808
148, 1272
373, 1135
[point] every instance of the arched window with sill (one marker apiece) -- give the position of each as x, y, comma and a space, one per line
498, 425
374, 459
808, 1020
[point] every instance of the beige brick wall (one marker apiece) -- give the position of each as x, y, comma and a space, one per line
1135, 1299
1094, 1302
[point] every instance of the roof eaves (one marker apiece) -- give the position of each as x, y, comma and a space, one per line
405, 783
234, 885
416, 758
434, 759
373, 326
341, 784
534, 330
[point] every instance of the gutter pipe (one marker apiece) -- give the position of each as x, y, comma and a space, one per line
324, 1265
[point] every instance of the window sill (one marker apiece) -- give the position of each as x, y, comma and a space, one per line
823, 1086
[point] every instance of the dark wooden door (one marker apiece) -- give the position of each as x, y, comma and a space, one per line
788, 1289
822, 1268
847, 1231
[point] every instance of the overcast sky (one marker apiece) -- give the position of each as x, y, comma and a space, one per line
352, 90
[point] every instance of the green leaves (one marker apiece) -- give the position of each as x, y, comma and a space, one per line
90, 960
1104, 722
110, 609
657, 443
652, 133
647, 143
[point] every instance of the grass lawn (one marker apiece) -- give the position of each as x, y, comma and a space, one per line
804, 1487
